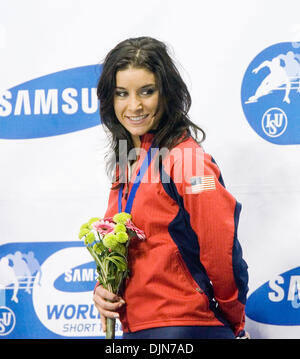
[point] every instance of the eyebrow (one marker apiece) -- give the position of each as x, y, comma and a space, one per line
143, 87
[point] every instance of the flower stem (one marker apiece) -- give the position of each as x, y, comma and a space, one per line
110, 328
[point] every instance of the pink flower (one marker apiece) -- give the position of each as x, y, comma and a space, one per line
140, 234
104, 226
109, 219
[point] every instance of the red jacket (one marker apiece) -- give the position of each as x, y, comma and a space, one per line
190, 270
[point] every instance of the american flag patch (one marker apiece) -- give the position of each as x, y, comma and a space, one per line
202, 183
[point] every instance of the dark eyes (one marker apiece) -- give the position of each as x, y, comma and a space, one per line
143, 92
120, 93
148, 91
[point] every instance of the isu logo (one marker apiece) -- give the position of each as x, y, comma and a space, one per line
274, 122
270, 94
7, 321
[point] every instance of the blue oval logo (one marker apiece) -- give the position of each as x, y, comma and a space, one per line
55, 104
82, 278
277, 301
270, 94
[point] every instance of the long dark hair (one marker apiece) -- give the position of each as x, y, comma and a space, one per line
174, 97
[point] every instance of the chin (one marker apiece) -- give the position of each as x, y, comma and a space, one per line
139, 132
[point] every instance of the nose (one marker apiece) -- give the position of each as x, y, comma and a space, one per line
134, 104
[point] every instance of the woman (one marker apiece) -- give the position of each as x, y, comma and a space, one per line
188, 278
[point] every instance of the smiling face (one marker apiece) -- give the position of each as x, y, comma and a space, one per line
136, 101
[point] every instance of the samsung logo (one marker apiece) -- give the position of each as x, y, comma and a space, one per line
81, 278
277, 301
78, 275
45, 102
58, 103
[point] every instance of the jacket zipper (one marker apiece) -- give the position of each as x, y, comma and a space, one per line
125, 195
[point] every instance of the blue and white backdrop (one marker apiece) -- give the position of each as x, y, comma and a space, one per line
241, 61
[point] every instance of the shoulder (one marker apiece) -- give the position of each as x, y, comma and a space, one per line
183, 151
189, 156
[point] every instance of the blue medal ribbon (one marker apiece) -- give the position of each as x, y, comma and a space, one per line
138, 179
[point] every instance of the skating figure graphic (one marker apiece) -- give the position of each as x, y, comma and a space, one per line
18, 271
8, 277
286, 77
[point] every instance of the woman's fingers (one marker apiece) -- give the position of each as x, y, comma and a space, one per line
107, 304
103, 322
104, 293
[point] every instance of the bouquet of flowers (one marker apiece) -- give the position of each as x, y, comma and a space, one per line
108, 240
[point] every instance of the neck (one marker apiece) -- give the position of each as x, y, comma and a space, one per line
136, 141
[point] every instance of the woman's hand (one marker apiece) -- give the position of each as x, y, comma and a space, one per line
107, 303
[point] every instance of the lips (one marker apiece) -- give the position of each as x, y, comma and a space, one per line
137, 119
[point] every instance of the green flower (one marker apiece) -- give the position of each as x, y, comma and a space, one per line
85, 225
119, 228
120, 249
110, 240
122, 237
92, 220
121, 217
90, 238
83, 231
98, 248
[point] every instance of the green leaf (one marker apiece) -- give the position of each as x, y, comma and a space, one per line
118, 261
110, 279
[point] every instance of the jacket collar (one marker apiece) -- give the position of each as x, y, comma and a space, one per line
147, 138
